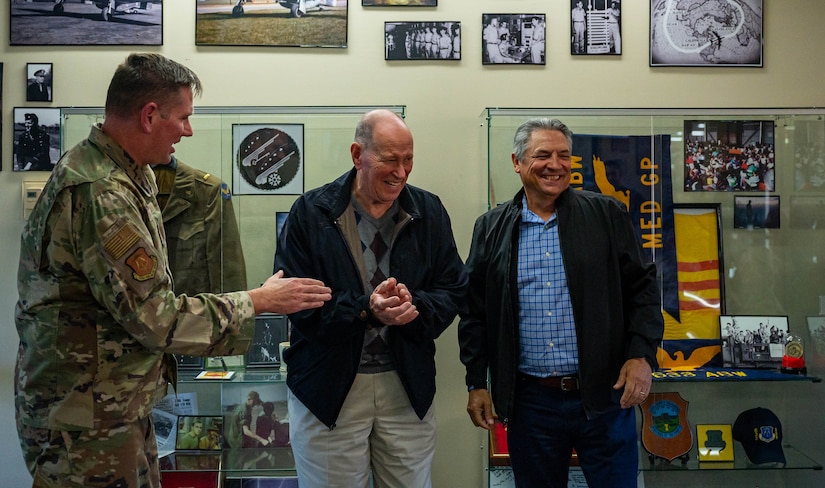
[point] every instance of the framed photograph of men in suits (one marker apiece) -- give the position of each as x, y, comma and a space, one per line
39, 87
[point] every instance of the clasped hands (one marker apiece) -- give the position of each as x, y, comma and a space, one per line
391, 303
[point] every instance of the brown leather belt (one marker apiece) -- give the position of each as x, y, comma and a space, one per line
563, 383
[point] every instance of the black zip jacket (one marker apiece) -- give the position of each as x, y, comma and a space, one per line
326, 343
613, 291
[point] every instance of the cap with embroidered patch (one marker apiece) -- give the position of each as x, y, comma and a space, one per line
760, 433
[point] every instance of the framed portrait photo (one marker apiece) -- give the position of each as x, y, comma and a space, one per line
86, 23
753, 341
595, 27
723, 34
269, 159
513, 38
756, 212
39, 87
284, 23
196, 433
730, 155
422, 41
36, 138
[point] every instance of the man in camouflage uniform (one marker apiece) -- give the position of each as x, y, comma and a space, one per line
97, 316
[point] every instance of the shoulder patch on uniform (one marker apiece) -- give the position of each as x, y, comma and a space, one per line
142, 264
225, 192
117, 241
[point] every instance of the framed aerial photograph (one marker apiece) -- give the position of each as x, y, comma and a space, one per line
36, 138
753, 341
756, 212
39, 87
281, 23
595, 27
422, 41
199, 433
513, 38
270, 330
269, 159
399, 3
723, 34
730, 155
86, 23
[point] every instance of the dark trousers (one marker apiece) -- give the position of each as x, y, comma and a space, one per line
548, 423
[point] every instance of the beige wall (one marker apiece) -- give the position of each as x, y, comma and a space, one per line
444, 101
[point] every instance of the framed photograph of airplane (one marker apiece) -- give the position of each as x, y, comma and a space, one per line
269, 159
278, 23
86, 23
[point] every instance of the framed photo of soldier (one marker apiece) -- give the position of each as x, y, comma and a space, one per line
36, 138
513, 38
422, 41
39, 87
86, 23
595, 27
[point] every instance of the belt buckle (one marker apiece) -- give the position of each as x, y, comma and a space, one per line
563, 383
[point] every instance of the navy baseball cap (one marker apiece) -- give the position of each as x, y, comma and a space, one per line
760, 433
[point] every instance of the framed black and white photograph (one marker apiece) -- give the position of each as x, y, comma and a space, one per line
513, 38
399, 3
753, 341
730, 155
36, 138
199, 433
277, 23
430, 41
39, 86
595, 27
269, 159
270, 330
86, 23
706, 34
756, 212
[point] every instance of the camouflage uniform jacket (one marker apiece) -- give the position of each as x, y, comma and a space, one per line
205, 253
96, 311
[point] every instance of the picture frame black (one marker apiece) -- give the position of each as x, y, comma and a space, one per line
199, 433
39, 82
595, 27
269, 159
511, 38
753, 341
756, 212
270, 330
422, 41
186, 362
234, 23
36, 138
730, 155
399, 3
86, 23
735, 41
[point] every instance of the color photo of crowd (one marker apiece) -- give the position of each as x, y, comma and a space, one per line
729, 155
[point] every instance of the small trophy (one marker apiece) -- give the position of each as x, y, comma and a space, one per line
793, 359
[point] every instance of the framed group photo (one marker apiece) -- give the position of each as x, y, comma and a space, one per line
36, 138
39, 84
399, 3
730, 155
513, 38
281, 23
753, 341
422, 41
269, 159
86, 23
199, 433
595, 27
723, 34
